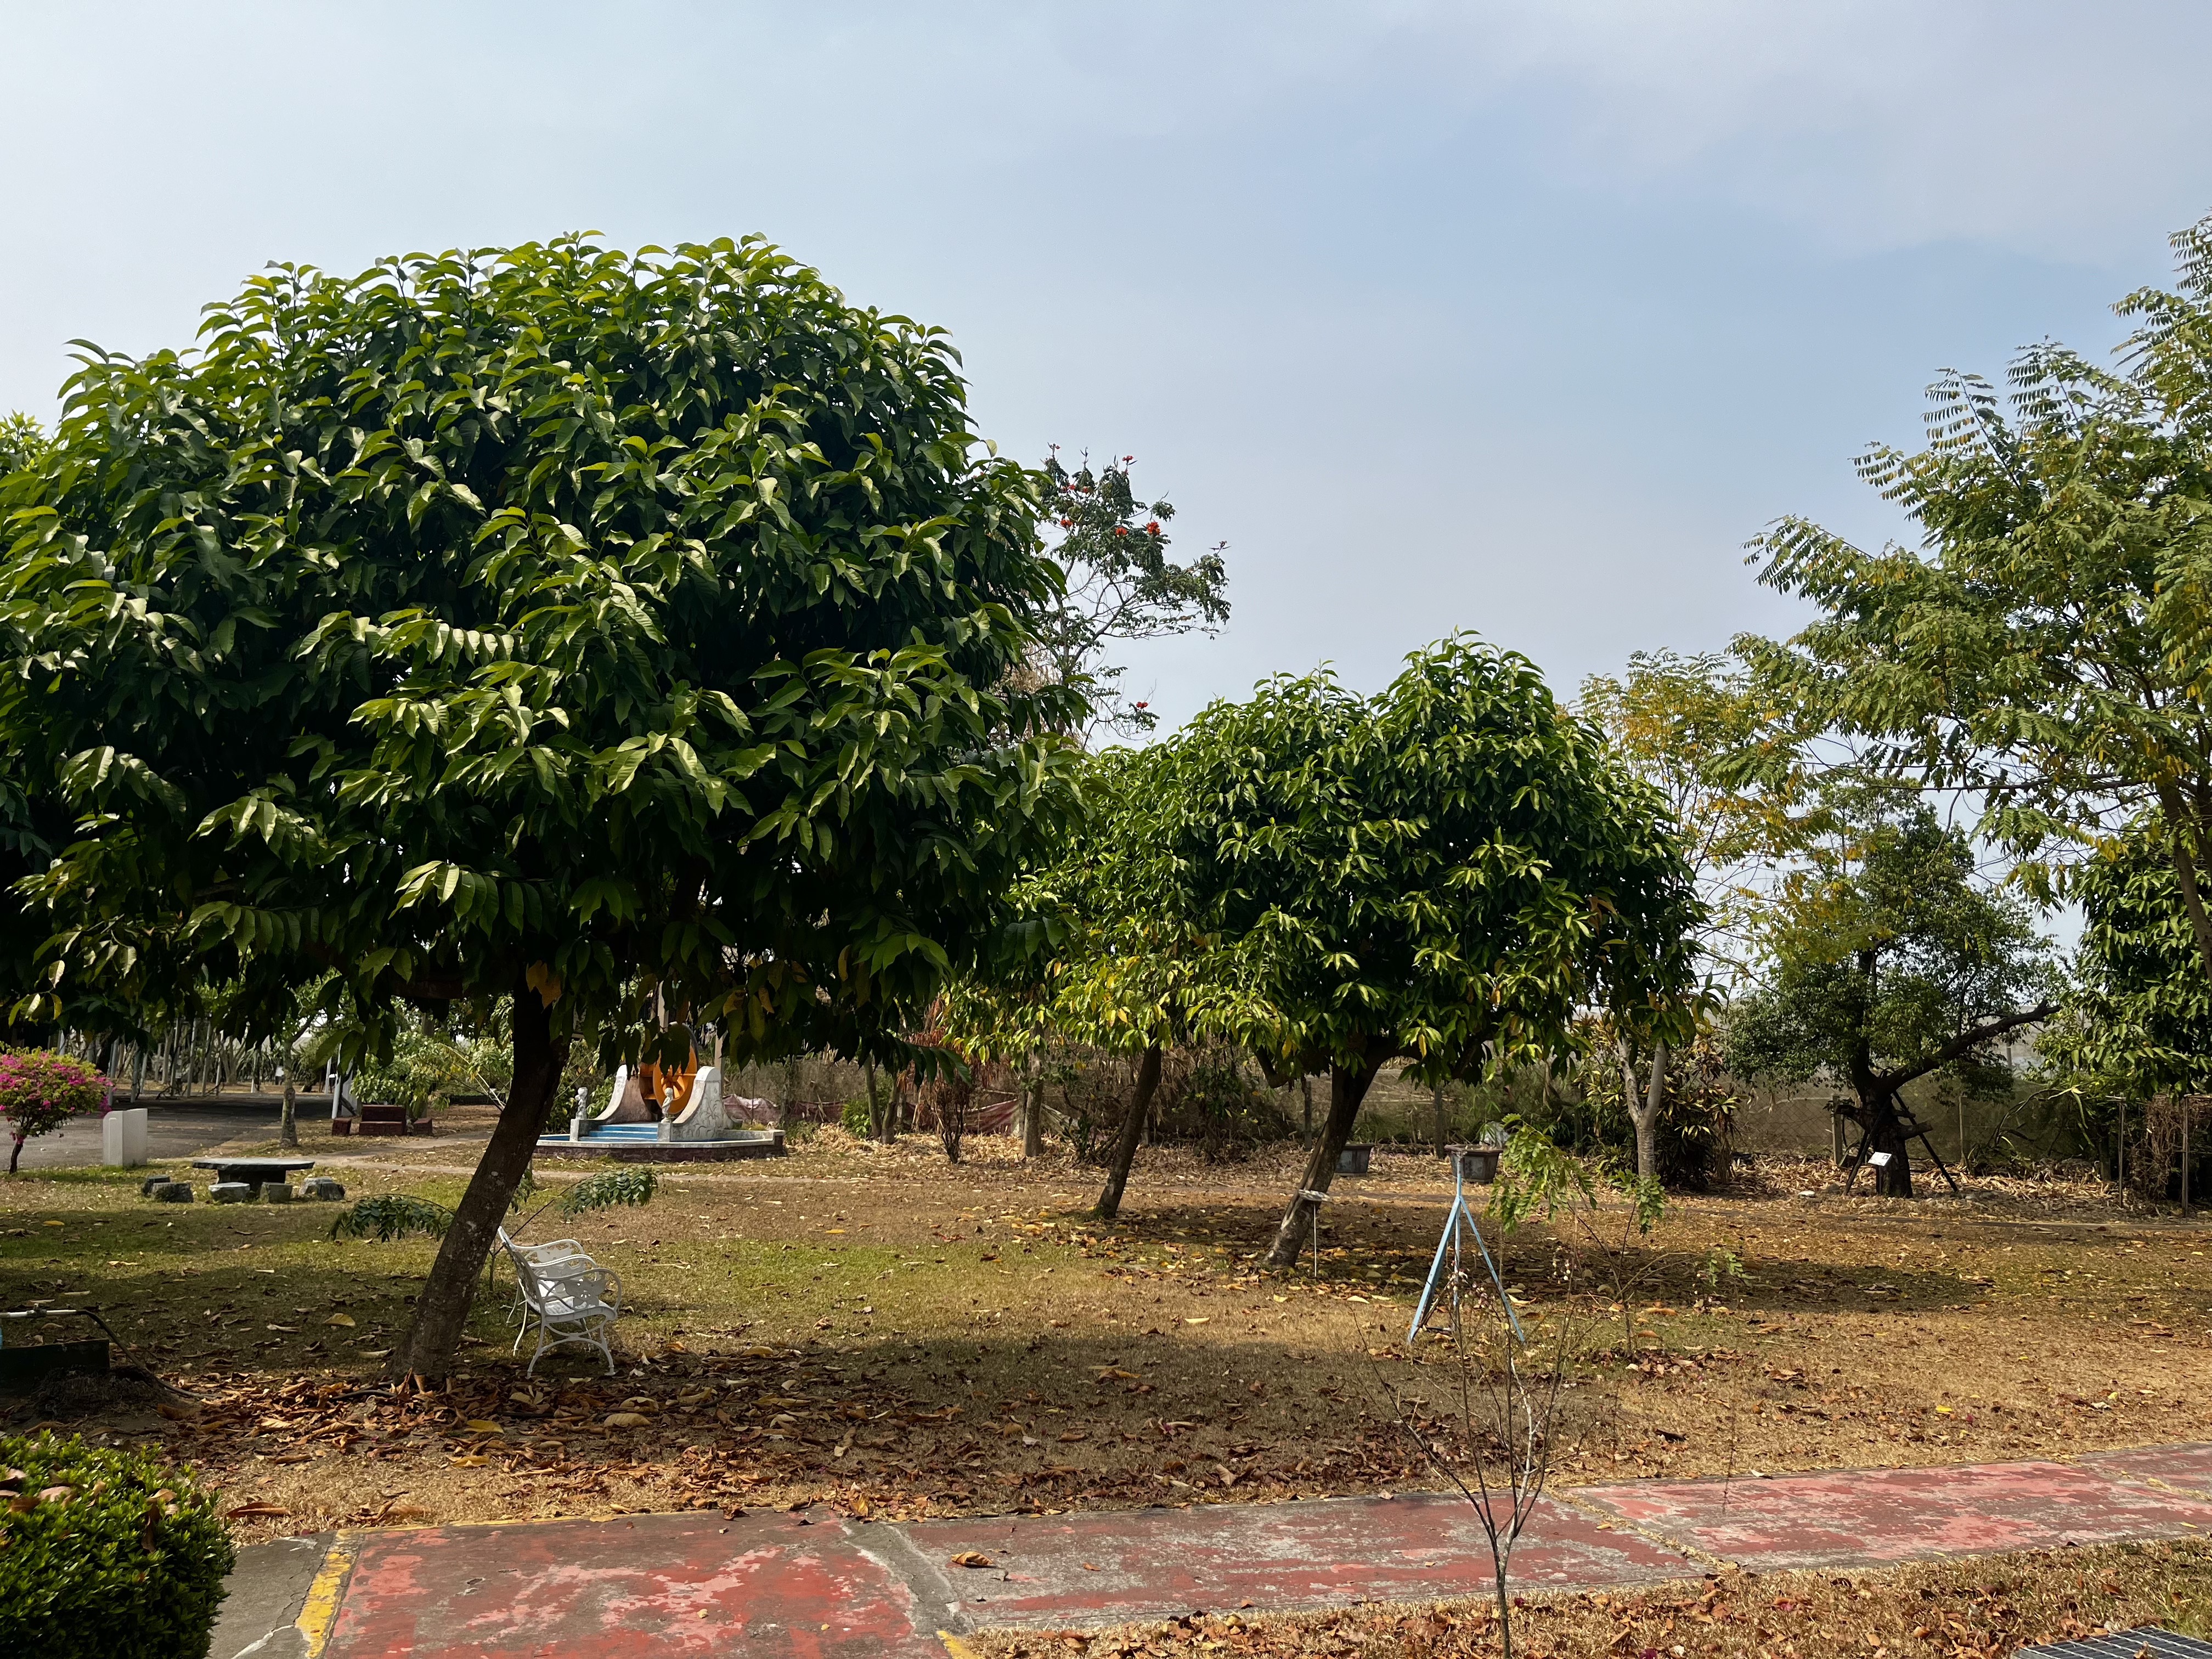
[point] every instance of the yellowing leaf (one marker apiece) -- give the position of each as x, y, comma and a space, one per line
345, 1320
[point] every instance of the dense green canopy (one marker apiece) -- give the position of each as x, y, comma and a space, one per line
1447, 872
2139, 1018
557, 623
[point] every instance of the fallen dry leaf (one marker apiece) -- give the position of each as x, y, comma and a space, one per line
624, 1420
346, 1320
973, 1559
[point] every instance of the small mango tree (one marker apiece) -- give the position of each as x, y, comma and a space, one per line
1099, 946
1446, 873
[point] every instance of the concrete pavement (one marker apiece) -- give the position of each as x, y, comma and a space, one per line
173, 1129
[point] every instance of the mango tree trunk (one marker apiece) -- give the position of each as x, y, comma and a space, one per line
1132, 1129
883, 1113
442, 1312
1348, 1088
1032, 1106
1644, 1112
1885, 1130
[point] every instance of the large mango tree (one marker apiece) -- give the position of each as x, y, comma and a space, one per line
592, 629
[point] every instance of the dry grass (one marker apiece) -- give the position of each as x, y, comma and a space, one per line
1977, 1609
877, 1329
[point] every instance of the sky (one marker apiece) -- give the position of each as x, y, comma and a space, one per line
1515, 317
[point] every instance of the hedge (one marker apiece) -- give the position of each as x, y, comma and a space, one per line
105, 1554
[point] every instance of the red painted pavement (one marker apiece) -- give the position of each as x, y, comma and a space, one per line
1871, 1517
660, 1584
2185, 1468
775, 1587
1100, 1567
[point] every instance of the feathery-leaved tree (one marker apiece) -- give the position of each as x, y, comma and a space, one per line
589, 629
1447, 873
1733, 771
1121, 584
2049, 644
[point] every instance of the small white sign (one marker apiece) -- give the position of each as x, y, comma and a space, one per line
1879, 1160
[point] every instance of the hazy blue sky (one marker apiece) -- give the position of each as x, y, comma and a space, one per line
1516, 317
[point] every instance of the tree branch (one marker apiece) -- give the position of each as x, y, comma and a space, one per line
1965, 1043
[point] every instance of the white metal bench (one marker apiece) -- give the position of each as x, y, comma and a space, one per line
550, 1259
566, 1300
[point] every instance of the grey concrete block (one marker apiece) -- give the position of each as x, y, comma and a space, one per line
231, 1192
321, 1188
274, 1192
173, 1192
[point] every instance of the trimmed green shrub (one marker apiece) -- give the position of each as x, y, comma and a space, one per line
105, 1554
